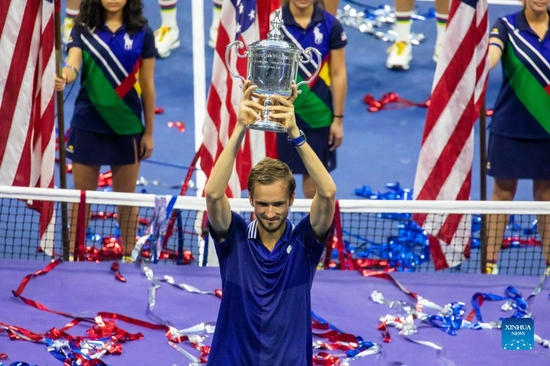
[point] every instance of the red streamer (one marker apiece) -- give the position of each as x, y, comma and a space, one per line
116, 268
80, 228
179, 125
105, 179
392, 100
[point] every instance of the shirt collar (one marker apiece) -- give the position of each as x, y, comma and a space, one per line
120, 29
253, 230
521, 23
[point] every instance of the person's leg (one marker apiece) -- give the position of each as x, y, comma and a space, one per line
167, 36
400, 53
308, 186
541, 192
71, 11
331, 6
442, 15
216, 16
85, 178
503, 190
124, 180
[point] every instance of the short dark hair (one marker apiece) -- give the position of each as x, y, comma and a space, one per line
268, 171
92, 15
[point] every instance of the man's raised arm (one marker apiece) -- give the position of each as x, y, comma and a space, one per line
217, 203
322, 206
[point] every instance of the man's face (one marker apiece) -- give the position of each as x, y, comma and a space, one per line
271, 205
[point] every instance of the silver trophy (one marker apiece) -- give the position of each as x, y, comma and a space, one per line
273, 66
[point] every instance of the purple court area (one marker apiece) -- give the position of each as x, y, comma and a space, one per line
340, 297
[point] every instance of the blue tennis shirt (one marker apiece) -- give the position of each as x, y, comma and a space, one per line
265, 311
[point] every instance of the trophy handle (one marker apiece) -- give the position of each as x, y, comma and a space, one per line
307, 52
239, 45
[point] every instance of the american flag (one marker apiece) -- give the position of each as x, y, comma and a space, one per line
247, 21
444, 168
27, 71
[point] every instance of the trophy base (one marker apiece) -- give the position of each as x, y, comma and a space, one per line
268, 126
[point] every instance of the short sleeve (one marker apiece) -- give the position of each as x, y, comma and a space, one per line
223, 247
314, 248
338, 37
500, 31
149, 50
75, 40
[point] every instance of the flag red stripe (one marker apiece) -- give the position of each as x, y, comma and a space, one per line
264, 9
22, 177
447, 84
47, 125
27, 109
222, 101
443, 90
447, 232
449, 155
4, 6
455, 104
16, 73
449, 227
440, 262
213, 105
271, 143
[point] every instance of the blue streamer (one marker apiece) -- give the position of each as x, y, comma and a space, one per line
518, 302
452, 321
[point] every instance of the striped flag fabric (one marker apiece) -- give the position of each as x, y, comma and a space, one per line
444, 169
248, 22
27, 109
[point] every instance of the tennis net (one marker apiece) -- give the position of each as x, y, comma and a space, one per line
369, 234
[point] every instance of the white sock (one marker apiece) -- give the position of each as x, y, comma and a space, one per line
68, 22
168, 13
70, 14
441, 25
403, 23
216, 15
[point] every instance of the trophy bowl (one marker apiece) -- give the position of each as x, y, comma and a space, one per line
273, 66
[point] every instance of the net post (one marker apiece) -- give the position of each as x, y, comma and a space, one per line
483, 185
60, 133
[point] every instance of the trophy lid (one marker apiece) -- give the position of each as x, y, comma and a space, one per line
274, 38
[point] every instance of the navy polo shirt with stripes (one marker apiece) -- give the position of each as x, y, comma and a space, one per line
265, 311
522, 108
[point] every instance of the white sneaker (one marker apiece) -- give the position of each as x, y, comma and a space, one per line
437, 51
491, 269
212, 43
166, 39
213, 36
400, 54
547, 273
